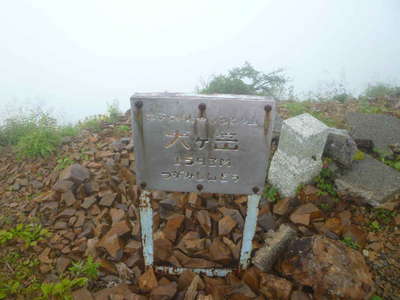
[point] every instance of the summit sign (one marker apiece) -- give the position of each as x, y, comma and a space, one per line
204, 143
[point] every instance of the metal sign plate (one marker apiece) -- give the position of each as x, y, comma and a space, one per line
207, 143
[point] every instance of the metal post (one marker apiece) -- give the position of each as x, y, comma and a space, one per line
249, 230
146, 226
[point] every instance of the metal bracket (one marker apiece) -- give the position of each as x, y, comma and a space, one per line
146, 225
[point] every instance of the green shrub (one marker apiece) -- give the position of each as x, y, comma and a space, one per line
247, 80
381, 90
92, 123
68, 130
63, 162
113, 112
40, 142
88, 269
271, 193
34, 133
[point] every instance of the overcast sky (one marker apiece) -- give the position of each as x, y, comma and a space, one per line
77, 55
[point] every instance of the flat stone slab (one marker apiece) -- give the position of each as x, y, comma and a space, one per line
371, 180
382, 129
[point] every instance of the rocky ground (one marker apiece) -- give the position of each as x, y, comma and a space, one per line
328, 245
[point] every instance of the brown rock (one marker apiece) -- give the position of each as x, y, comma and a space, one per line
116, 215
68, 212
173, 224
191, 292
62, 263
185, 279
305, 213
275, 245
132, 246
162, 249
82, 294
148, 280
203, 217
251, 278
191, 243
60, 225
63, 186
88, 202
299, 295
274, 287
113, 245
333, 270
166, 291
107, 199
220, 252
225, 225
241, 292
309, 194
81, 217
44, 256
282, 207
118, 292
356, 234
234, 213
75, 173
235, 249
68, 198
333, 225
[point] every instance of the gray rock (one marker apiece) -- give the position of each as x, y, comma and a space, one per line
373, 181
75, 173
382, 129
340, 147
276, 132
267, 222
298, 158
274, 246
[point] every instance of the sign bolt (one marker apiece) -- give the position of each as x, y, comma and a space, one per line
267, 108
138, 104
199, 187
256, 189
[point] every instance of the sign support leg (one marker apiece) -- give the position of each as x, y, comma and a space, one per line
249, 230
146, 226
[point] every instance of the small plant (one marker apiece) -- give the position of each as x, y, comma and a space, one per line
349, 242
68, 130
325, 207
384, 216
359, 155
299, 188
375, 297
30, 234
271, 193
113, 112
375, 226
325, 182
93, 123
88, 268
61, 289
63, 162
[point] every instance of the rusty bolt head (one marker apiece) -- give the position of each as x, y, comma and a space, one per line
143, 185
256, 189
138, 104
202, 106
267, 108
199, 187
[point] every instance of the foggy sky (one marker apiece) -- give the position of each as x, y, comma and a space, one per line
75, 56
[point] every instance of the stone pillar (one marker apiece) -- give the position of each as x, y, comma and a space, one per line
298, 157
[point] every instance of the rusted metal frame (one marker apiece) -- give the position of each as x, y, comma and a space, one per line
249, 230
207, 272
146, 224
